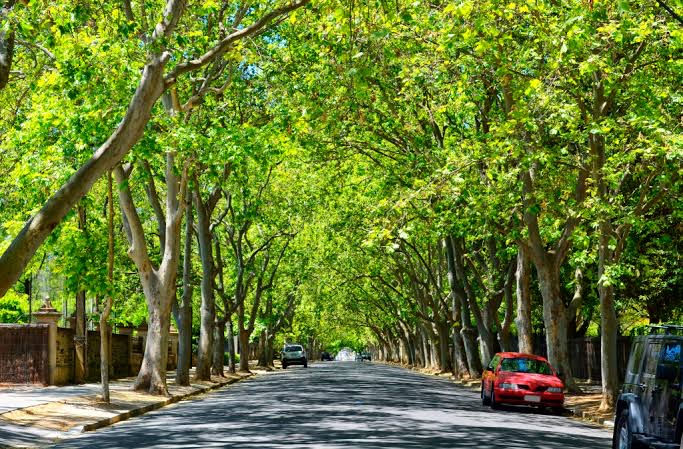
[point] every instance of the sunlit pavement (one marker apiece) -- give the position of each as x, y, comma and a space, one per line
344, 405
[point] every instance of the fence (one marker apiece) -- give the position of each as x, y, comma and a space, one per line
584, 355
24, 353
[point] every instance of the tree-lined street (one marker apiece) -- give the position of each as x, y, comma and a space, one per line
344, 405
426, 183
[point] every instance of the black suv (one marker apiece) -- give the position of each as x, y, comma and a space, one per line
649, 411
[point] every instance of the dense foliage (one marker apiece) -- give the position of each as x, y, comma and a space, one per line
406, 176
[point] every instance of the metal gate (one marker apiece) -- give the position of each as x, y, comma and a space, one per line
24, 353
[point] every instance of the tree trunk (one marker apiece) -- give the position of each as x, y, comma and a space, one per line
555, 319
184, 321
523, 320
231, 345
244, 350
469, 306
608, 326
152, 375
6, 53
219, 348
444, 348
105, 356
79, 340
460, 368
208, 306
105, 331
469, 338
504, 334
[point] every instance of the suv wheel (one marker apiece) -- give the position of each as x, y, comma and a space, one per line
623, 436
284, 365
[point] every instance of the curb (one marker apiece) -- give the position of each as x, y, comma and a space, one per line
587, 416
155, 406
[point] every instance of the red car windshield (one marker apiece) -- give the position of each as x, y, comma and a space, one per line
523, 365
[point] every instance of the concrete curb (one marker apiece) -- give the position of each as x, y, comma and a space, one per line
587, 416
155, 406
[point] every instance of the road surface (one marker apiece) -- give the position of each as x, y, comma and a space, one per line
344, 405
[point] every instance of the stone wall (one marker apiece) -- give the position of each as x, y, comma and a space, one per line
65, 356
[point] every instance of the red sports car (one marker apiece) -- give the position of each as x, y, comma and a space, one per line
521, 379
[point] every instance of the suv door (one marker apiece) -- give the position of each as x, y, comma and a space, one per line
649, 390
668, 391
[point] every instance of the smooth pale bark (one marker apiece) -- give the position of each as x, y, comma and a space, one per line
184, 318
244, 350
548, 259
231, 345
504, 337
486, 337
129, 131
555, 320
523, 291
460, 368
607, 256
208, 305
79, 340
158, 284
105, 330
443, 332
79, 331
218, 348
468, 332
80, 363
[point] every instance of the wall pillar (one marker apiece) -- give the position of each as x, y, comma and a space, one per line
50, 316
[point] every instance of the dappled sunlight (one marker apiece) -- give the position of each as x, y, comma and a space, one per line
344, 405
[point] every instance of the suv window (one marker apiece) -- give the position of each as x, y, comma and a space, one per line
672, 353
635, 362
651, 360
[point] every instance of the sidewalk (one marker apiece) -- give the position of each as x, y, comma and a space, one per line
33, 416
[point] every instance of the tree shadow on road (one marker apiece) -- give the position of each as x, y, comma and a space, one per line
355, 408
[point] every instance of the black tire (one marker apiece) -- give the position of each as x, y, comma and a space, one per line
284, 366
484, 400
305, 365
623, 434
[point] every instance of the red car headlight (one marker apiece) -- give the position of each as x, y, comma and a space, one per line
508, 386
554, 390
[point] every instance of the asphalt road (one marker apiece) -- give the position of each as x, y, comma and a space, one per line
344, 405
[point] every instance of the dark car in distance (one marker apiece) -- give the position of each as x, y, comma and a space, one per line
326, 356
649, 411
365, 355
